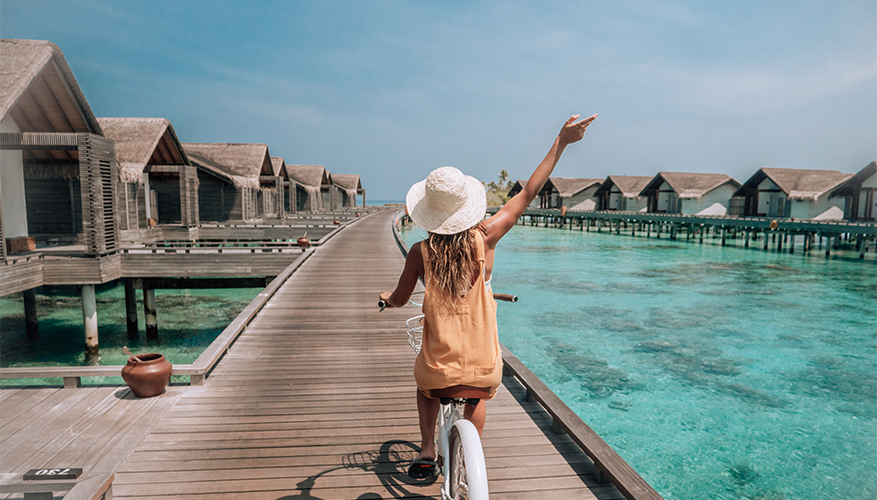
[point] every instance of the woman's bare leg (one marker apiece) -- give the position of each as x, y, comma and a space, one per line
476, 414
427, 411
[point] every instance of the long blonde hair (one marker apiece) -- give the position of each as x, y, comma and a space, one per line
453, 262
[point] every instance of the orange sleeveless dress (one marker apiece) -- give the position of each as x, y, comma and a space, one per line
460, 341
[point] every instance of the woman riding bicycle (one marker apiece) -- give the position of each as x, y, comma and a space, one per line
460, 344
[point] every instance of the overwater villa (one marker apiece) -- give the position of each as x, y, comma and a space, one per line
622, 193
151, 160
860, 203
278, 166
231, 179
688, 193
570, 192
793, 193
53, 148
573, 193
349, 186
517, 187
314, 188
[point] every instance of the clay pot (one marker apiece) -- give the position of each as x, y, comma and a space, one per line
149, 376
303, 242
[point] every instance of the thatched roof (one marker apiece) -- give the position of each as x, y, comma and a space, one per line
517, 187
309, 175
847, 187
797, 184
141, 142
688, 185
278, 167
630, 186
570, 186
348, 182
39, 91
241, 163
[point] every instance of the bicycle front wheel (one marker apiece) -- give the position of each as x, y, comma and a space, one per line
468, 474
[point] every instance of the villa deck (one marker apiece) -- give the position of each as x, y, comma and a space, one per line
314, 400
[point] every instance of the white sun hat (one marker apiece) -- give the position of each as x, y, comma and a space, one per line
447, 201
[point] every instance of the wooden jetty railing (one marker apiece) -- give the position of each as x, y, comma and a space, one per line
608, 465
724, 226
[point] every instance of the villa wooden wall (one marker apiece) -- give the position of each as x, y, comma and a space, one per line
216, 199
167, 194
54, 207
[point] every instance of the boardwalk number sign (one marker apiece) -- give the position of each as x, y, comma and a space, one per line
51, 474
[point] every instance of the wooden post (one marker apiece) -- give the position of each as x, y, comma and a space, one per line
724, 234
779, 241
131, 309
828, 248
31, 325
766, 240
745, 238
89, 320
149, 311
792, 243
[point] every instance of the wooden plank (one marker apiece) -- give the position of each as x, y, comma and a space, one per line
272, 433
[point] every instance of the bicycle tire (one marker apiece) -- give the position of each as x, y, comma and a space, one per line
467, 472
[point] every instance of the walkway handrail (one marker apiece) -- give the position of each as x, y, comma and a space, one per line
607, 462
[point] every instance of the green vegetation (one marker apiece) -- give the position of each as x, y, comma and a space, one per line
498, 192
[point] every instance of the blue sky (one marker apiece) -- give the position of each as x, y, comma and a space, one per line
393, 89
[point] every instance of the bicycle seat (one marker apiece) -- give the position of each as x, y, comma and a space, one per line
471, 394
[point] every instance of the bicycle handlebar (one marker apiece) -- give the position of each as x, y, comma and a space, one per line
497, 296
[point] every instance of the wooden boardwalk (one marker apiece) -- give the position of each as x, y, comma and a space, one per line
316, 400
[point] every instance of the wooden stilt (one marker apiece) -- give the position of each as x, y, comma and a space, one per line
149, 312
31, 325
89, 321
131, 309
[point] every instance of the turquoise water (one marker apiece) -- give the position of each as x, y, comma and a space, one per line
716, 372
188, 321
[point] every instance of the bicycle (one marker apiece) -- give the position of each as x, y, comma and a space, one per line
464, 469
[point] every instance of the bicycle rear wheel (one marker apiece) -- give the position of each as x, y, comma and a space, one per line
467, 472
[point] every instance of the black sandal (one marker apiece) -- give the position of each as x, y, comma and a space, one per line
421, 469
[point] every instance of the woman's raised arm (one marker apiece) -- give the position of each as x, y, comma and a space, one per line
501, 223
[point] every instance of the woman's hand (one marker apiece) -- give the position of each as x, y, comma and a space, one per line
385, 297
572, 131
